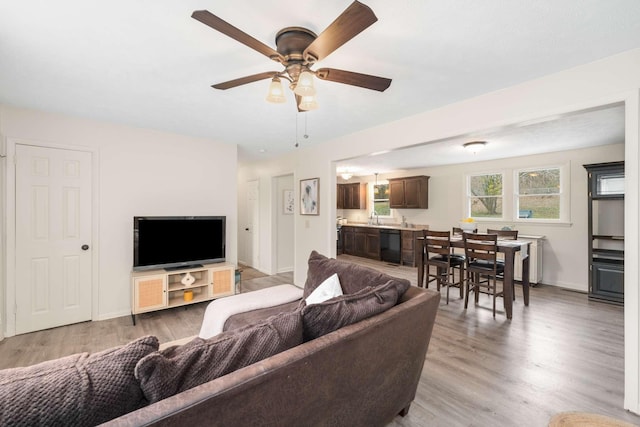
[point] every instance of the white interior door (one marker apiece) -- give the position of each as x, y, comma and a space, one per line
53, 237
251, 229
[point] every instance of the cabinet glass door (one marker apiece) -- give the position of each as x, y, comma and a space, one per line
609, 184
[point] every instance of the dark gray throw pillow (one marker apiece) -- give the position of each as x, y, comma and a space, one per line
175, 369
353, 277
77, 390
335, 313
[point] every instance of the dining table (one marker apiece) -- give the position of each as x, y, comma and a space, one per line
509, 249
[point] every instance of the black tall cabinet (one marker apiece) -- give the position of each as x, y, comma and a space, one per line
606, 231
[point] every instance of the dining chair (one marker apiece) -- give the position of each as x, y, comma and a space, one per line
438, 253
482, 266
504, 235
457, 231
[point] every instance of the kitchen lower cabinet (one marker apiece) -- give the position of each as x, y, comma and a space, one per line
361, 241
409, 247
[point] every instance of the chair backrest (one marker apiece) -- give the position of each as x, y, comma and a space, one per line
437, 243
504, 234
483, 247
457, 231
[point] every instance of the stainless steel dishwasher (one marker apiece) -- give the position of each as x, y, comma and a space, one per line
390, 245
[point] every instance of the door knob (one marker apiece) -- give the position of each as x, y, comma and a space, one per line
246, 229
84, 247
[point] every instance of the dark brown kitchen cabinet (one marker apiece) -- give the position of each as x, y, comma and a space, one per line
351, 196
372, 244
348, 239
409, 247
361, 241
409, 193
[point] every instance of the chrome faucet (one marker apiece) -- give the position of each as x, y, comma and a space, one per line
377, 217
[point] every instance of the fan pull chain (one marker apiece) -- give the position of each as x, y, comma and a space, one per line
297, 144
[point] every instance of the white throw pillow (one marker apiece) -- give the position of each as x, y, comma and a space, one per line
328, 289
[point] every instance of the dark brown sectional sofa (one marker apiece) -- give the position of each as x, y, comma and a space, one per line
345, 371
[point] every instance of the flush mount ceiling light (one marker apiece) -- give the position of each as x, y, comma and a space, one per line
474, 146
298, 50
346, 176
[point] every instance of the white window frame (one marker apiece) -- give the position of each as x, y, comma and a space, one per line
564, 193
469, 196
372, 193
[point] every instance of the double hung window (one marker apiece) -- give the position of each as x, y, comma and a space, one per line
485, 195
538, 193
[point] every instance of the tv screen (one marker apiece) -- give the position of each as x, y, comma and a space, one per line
173, 242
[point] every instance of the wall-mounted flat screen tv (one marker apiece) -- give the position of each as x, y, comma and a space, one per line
174, 242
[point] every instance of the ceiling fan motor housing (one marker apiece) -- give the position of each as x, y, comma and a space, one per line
291, 43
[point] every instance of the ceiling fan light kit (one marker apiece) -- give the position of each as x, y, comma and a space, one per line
298, 49
276, 92
304, 86
308, 103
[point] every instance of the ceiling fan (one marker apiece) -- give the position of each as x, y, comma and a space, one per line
298, 49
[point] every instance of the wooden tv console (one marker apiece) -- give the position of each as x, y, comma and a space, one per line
153, 290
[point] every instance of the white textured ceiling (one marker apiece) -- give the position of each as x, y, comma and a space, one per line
576, 130
147, 63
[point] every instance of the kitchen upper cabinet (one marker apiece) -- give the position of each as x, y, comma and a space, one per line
409, 193
352, 196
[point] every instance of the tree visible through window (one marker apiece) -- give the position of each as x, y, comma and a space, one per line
538, 193
381, 200
485, 196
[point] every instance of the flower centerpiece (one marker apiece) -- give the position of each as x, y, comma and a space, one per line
468, 225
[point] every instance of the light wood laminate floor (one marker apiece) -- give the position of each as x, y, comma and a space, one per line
562, 353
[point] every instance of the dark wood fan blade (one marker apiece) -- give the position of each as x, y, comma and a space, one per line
224, 27
355, 19
355, 79
244, 80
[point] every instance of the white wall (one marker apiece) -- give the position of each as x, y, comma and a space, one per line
607, 81
565, 248
284, 226
140, 172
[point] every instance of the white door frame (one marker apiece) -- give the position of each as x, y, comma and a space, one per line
10, 221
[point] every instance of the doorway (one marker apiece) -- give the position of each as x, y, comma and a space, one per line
251, 228
53, 211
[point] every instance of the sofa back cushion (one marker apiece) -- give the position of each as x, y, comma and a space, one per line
175, 369
81, 389
352, 277
335, 313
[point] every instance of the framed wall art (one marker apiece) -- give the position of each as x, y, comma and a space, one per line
288, 202
309, 191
